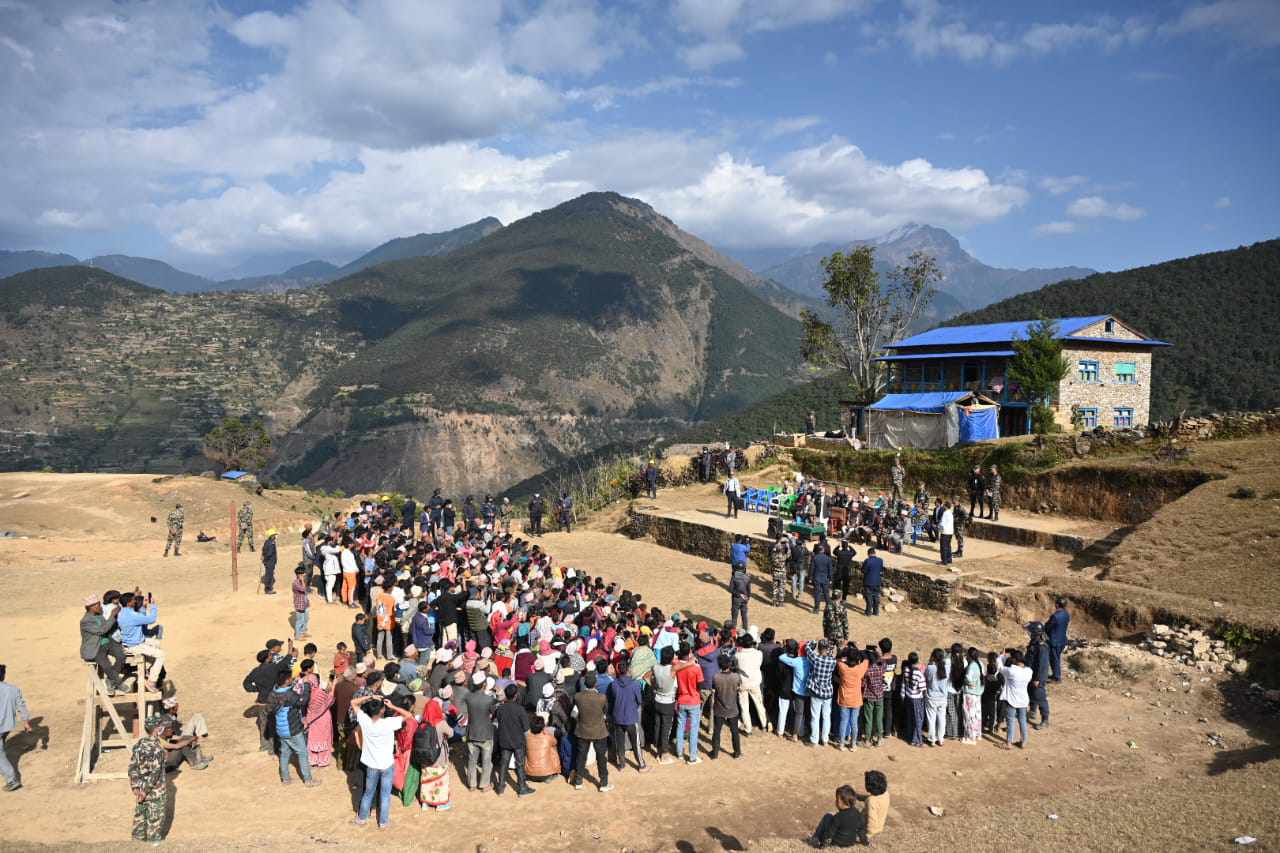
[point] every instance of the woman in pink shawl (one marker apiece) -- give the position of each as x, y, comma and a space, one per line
319, 720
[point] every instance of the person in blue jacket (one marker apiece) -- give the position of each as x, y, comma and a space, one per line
1056, 634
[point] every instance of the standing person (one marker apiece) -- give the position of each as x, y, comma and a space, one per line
512, 724
285, 709
592, 732
961, 522
821, 572
319, 718
898, 476
478, 708
13, 710
565, 506
778, 557
1037, 658
688, 703
146, 779
536, 507
913, 692
430, 756
731, 489
739, 595
175, 521
972, 697
1056, 633
377, 754
244, 525
726, 687
1017, 677
872, 577
97, 645
797, 666
976, 488
892, 684
835, 622
301, 603
946, 530
810, 423
844, 555
750, 662
626, 699
992, 687
822, 667
873, 699
409, 513
955, 692
994, 484
849, 675
331, 567
664, 703
935, 681
651, 479
350, 571
504, 516
384, 614
799, 567
269, 563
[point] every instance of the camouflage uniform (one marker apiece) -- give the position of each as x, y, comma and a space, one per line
177, 518
899, 475
993, 500
244, 522
778, 556
146, 773
835, 622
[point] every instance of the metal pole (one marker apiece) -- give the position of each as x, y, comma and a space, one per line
235, 574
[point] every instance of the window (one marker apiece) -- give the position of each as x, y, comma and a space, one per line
1124, 417
1110, 326
972, 373
1089, 418
1088, 370
1127, 372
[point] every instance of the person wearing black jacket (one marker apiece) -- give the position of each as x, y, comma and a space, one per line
1038, 660
260, 680
844, 555
513, 723
976, 487
846, 826
739, 595
821, 572
409, 512
269, 563
537, 506
799, 567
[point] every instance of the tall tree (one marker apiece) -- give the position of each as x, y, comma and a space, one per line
238, 444
1038, 367
869, 313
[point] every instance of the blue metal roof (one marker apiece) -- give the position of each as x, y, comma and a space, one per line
915, 356
931, 402
234, 475
990, 333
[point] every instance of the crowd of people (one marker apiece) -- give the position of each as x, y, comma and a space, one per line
470, 644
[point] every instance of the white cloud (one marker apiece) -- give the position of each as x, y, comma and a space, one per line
1223, 202
563, 35
1255, 23
788, 126
931, 31
606, 96
719, 26
947, 136
1054, 229
1094, 207
1059, 186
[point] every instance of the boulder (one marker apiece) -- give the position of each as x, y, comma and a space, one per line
1160, 630
1239, 667
209, 475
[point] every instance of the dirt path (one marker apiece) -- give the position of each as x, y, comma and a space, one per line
777, 791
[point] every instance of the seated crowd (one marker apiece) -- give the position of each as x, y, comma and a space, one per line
471, 641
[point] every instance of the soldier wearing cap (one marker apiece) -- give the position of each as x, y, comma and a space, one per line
244, 525
146, 778
175, 521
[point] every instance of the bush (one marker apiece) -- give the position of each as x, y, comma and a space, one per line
1244, 493
1042, 421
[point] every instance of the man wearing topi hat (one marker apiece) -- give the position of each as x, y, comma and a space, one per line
96, 643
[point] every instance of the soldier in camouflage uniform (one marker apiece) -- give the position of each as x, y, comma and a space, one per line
244, 522
835, 622
778, 556
177, 518
899, 476
146, 778
993, 494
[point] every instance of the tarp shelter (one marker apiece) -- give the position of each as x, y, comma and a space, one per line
931, 419
234, 475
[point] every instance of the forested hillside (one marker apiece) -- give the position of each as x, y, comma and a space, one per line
1220, 311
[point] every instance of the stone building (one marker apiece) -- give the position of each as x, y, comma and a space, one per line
1109, 383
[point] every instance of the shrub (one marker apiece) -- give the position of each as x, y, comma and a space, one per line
1244, 493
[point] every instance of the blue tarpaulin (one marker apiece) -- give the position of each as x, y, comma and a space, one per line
979, 423
234, 475
930, 402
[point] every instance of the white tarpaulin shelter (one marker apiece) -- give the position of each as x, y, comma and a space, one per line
921, 420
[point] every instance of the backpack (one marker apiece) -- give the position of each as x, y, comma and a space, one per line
426, 746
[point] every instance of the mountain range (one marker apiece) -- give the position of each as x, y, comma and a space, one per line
967, 283
596, 322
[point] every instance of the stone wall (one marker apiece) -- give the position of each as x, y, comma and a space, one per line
1026, 537
1107, 393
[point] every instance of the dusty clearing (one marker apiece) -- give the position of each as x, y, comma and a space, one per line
1176, 791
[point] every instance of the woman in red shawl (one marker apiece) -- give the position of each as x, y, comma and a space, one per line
319, 720
429, 784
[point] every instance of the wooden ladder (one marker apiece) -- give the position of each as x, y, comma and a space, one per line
100, 706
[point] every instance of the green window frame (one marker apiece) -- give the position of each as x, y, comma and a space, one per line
1126, 372
1087, 370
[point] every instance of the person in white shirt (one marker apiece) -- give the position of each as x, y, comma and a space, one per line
731, 489
330, 569
947, 529
350, 573
750, 660
1017, 676
379, 721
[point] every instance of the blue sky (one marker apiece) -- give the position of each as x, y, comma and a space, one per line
1041, 134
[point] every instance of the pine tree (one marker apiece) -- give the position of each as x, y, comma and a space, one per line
1038, 367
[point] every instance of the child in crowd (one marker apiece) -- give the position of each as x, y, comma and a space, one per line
846, 827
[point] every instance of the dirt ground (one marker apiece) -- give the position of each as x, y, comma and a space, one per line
1174, 790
